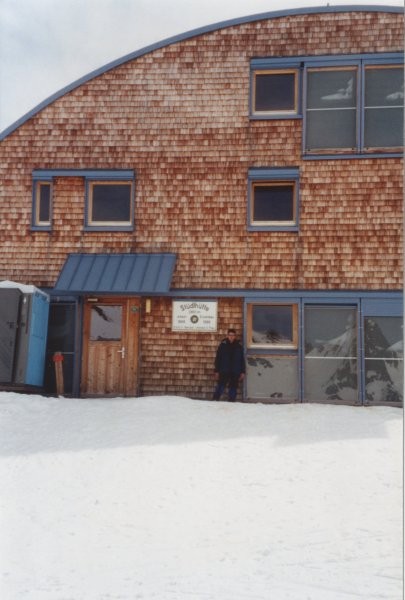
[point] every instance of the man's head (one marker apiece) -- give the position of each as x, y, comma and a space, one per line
231, 335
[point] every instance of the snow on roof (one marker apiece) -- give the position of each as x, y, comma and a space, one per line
26, 289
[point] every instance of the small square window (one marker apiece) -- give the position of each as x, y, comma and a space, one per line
273, 203
273, 326
41, 217
273, 199
275, 92
109, 205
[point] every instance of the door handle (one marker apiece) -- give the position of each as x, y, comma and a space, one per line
122, 351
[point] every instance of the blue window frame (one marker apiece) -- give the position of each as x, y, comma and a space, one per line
108, 202
42, 204
351, 105
273, 199
354, 107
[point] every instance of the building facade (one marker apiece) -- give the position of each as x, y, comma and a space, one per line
247, 175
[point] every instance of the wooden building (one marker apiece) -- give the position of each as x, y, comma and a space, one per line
247, 174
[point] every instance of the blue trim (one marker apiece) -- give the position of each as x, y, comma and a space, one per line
319, 60
188, 35
274, 117
121, 174
318, 295
353, 156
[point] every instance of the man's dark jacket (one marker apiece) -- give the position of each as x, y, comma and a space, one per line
229, 358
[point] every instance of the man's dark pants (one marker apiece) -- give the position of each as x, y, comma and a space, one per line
227, 379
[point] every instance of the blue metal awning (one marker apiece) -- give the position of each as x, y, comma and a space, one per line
117, 273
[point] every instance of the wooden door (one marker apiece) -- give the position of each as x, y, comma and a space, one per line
110, 347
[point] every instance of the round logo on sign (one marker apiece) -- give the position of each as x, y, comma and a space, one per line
194, 319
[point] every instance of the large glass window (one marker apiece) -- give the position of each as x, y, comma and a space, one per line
355, 108
384, 366
330, 363
383, 107
331, 109
272, 378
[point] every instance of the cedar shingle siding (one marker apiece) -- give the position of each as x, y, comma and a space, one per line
179, 117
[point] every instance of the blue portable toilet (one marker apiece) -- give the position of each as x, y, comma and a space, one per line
31, 332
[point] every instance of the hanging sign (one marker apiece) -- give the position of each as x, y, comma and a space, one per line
194, 315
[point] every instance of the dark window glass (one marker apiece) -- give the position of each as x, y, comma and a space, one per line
111, 203
44, 203
384, 99
61, 338
61, 330
275, 92
273, 203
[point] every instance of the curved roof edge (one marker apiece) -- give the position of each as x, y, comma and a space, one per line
188, 35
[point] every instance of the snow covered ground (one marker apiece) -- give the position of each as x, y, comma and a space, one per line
169, 498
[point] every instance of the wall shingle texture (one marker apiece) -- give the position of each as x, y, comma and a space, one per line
179, 117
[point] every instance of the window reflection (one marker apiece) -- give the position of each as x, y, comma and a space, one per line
331, 354
105, 322
383, 346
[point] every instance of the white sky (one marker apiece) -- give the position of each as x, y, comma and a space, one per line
47, 44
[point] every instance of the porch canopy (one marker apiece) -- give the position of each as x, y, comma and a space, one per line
117, 273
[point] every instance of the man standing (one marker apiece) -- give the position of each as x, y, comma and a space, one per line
229, 366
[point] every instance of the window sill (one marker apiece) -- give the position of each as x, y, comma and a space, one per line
350, 155
117, 228
288, 228
275, 116
47, 228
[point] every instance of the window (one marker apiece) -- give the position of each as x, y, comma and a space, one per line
331, 109
357, 108
384, 359
41, 209
383, 107
330, 363
273, 199
275, 92
350, 105
273, 326
109, 205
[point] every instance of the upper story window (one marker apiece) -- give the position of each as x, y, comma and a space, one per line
275, 92
42, 205
273, 199
350, 105
331, 115
383, 106
109, 204
108, 199
356, 109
